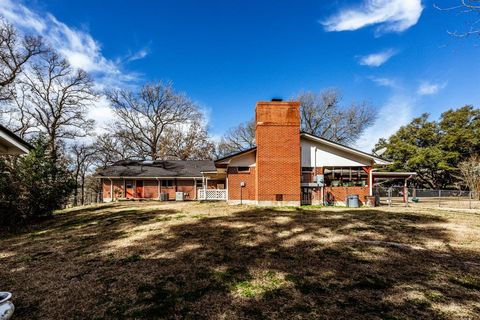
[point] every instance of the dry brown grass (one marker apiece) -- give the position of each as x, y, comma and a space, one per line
213, 261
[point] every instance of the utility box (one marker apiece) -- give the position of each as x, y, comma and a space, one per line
179, 196
320, 179
163, 196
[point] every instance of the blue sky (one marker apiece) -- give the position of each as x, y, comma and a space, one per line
226, 55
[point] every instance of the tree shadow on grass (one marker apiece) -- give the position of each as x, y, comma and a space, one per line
251, 264
342, 278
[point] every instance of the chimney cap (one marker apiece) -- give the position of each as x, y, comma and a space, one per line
277, 100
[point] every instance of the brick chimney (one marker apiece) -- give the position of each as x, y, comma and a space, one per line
278, 153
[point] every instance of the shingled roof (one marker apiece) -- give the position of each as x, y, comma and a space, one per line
157, 169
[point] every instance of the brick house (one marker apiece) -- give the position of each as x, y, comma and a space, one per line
287, 167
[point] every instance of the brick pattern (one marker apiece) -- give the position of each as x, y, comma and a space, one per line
340, 193
234, 180
150, 188
278, 151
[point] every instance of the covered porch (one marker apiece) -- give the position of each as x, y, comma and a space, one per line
214, 186
331, 185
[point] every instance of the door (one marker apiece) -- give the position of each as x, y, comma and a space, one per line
129, 189
306, 196
139, 189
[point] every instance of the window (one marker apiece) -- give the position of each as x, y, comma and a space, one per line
345, 177
243, 169
307, 169
167, 183
199, 184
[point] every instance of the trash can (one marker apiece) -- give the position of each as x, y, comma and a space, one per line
352, 201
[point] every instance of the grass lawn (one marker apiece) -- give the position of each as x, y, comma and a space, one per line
150, 260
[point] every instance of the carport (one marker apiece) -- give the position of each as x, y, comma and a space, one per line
405, 176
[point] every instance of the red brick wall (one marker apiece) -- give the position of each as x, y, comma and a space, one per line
118, 186
278, 151
234, 180
106, 189
340, 193
150, 189
186, 186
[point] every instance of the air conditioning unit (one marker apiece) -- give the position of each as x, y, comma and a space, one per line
164, 196
179, 196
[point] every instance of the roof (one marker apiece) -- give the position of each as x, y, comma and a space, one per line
157, 169
379, 174
10, 143
236, 154
376, 159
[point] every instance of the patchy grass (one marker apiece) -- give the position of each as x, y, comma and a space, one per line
151, 260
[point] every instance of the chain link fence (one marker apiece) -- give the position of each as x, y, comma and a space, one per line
428, 198
90, 197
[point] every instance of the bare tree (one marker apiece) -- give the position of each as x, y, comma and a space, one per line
15, 113
83, 159
15, 51
188, 142
144, 117
320, 114
58, 98
466, 7
111, 148
237, 139
470, 173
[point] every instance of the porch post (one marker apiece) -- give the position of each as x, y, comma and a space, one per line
370, 182
195, 188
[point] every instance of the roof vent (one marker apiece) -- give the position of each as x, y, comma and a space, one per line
277, 99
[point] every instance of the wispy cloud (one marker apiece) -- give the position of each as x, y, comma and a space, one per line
387, 15
384, 82
395, 113
427, 88
377, 59
77, 46
140, 54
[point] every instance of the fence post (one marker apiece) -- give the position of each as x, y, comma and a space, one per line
470, 199
389, 192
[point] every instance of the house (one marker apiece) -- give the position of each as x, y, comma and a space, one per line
132, 179
287, 167
11, 144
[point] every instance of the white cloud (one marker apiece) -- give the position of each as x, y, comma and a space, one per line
394, 114
77, 46
388, 15
428, 88
140, 54
377, 59
384, 82
80, 49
